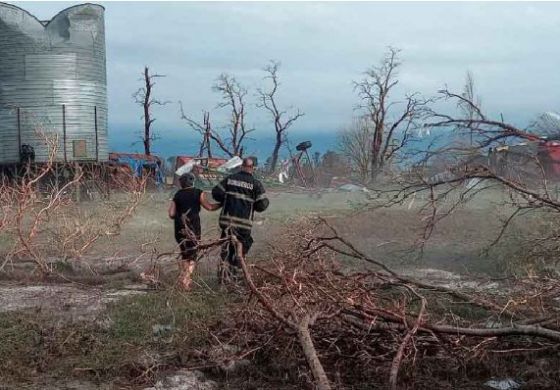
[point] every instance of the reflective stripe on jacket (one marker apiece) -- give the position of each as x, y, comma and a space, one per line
240, 195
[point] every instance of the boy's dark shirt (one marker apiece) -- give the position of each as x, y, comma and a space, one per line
187, 203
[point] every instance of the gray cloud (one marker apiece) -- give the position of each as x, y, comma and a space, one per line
510, 47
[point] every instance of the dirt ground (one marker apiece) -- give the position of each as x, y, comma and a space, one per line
455, 254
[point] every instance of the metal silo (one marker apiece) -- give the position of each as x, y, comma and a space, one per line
53, 80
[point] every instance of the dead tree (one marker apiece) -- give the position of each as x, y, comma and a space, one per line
143, 96
204, 129
392, 124
207, 136
233, 97
281, 119
355, 144
468, 110
487, 162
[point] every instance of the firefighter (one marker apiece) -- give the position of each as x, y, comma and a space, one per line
184, 209
240, 195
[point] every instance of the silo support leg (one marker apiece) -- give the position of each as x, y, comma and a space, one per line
77, 174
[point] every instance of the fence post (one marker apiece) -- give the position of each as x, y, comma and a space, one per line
96, 135
64, 131
19, 132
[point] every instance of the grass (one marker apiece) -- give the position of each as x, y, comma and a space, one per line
119, 345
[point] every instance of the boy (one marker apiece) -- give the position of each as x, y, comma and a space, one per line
185, 210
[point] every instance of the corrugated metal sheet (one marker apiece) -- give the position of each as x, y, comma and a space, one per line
55, 73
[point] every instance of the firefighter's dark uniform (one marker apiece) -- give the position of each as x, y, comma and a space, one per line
240, 195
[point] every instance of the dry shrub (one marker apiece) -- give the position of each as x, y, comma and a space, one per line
41, 216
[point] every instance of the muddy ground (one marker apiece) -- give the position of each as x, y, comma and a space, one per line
94, 289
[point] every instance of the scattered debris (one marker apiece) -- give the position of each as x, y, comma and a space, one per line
503, 384
186, 168
232, 163
493, 324
226, 357
161, 329
185, 380
352, 188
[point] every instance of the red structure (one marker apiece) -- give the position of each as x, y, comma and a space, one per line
204, 167
137, 165
535, 154
549, 154
208, 163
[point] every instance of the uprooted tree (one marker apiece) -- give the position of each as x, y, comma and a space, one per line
281, 118
375, 326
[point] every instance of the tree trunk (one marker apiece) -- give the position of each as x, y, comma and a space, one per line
376, 157
275, 152
310, 353
209, 147
147, 119
146, 144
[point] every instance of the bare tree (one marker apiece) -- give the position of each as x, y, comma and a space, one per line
204, 129
143, 97
233, 97
502, 156
355, 144
281, 119
388, 118
470, 111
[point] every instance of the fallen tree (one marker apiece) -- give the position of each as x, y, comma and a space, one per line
353, 327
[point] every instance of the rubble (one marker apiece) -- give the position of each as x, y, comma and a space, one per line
185, 380
161, 329
504, 384
352, 188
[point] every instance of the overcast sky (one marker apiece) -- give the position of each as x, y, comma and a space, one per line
511, 48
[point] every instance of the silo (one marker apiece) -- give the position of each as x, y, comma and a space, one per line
53, 83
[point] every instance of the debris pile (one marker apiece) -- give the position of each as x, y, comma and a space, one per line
373, 327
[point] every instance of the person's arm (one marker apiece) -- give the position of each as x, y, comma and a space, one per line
208, 205
172, 210
219, 192
261, 200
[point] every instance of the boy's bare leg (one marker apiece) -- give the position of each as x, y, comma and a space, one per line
185, 277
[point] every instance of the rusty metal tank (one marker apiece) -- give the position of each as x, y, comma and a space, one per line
53, 84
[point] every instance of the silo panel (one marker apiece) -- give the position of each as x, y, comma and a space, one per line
26, 93
41, 128
72, 92
80, 126
103, 139
50, 66
8, 138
